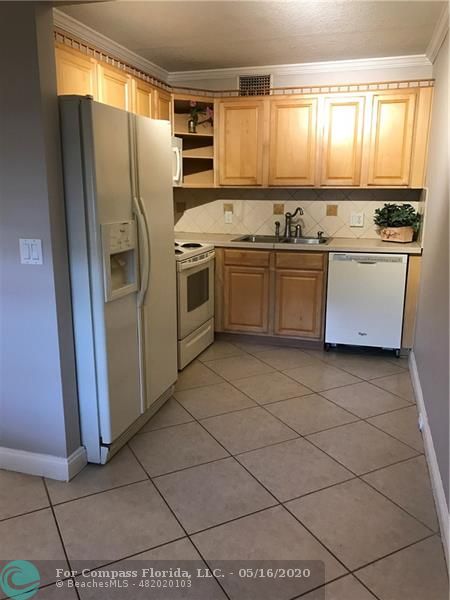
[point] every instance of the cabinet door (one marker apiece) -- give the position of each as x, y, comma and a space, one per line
114, 87
144, 99
298, 303
241, 131
163, 105
75, 73
391, 139
292, 155
246, 299
342, 141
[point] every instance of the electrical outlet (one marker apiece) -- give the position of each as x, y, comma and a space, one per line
228, 216
332, 210
356, 219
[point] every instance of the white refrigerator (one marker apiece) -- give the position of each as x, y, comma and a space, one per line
119, 211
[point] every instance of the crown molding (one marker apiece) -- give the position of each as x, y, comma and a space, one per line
360, 64
109, 46
439, 33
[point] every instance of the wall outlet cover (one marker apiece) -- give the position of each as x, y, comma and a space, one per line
332, 210
228, 216
356, 219
278, 208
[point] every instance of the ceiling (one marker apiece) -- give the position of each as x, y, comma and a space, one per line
191, 35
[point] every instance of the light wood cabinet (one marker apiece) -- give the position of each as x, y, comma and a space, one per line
163, 106
241, 140
75, 73
292, 146
145, 98
246, 299
114, 87
391, 139
342, 143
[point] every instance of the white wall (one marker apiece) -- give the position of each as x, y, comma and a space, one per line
431, 345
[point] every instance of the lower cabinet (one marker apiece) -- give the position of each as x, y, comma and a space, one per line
271, 293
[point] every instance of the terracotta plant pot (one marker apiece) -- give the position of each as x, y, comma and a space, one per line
397, 234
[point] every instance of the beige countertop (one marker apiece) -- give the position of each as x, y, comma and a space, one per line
224, 240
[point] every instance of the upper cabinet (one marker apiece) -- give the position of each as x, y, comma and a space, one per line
163, 105
145, 99
292, 146
241, 139
114, 87
343, 120
391, 139
75, 73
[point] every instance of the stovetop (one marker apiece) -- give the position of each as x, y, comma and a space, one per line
186, 249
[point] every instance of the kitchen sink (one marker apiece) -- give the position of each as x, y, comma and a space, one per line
305, 240
258, 239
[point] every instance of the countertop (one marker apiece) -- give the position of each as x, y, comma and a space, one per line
223, 240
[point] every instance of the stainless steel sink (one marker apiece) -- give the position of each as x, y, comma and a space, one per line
305, 240
258, 239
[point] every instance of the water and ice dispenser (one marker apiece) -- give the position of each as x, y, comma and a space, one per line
120, 260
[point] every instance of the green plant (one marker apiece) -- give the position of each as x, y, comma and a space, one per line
397, 215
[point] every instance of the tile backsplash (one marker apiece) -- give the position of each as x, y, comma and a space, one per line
202, 210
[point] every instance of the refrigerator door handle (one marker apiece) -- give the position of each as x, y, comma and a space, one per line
144, 252
148, 252
178, 172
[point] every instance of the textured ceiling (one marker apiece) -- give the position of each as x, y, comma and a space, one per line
190, 35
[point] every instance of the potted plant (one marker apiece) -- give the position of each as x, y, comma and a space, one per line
397, 222
195, 112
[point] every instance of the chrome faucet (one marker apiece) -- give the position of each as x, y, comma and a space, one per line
277, 230
288, 223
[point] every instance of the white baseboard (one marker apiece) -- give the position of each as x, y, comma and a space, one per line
430, 454
45, 465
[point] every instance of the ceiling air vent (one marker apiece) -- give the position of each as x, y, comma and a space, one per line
254, 85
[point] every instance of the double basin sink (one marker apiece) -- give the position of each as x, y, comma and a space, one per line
272, 239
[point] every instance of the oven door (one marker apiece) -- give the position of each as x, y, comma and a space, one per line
195, 295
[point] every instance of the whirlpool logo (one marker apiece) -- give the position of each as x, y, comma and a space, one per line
20, 579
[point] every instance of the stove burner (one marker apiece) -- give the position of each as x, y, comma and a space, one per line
191, 245
178, 251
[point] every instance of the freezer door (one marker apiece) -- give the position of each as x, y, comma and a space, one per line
159, 310
108, 165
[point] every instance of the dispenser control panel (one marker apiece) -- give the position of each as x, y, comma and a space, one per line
121, 236
120, 259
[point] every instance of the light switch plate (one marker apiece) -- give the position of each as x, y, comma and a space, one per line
30, 251
356, 219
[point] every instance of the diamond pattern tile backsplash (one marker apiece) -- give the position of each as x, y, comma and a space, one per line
202, 210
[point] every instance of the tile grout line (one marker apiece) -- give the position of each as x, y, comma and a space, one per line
177, 519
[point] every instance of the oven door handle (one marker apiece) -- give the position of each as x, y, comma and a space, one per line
188, 265
144, 251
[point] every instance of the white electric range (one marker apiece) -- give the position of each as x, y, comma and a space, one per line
195, 290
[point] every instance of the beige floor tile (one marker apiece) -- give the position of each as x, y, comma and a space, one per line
195, 375
364, 399
403, 425
220, 349
321, 377
255, 347
114, 524
169, 414
293, 468
286, 358
416, 573
175, 448
399, 384
213, 400
309, 414
270, 535
356, 523
365, 367
180, 554
237, 367
247, 429
408, 484
20, 494
211, 494
120, 470
347, 588
403, 361
52, 592
33, 537
361, 447
271, 387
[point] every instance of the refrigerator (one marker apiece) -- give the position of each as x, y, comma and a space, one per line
119, 211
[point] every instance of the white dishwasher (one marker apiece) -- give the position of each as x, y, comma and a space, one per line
366, 294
